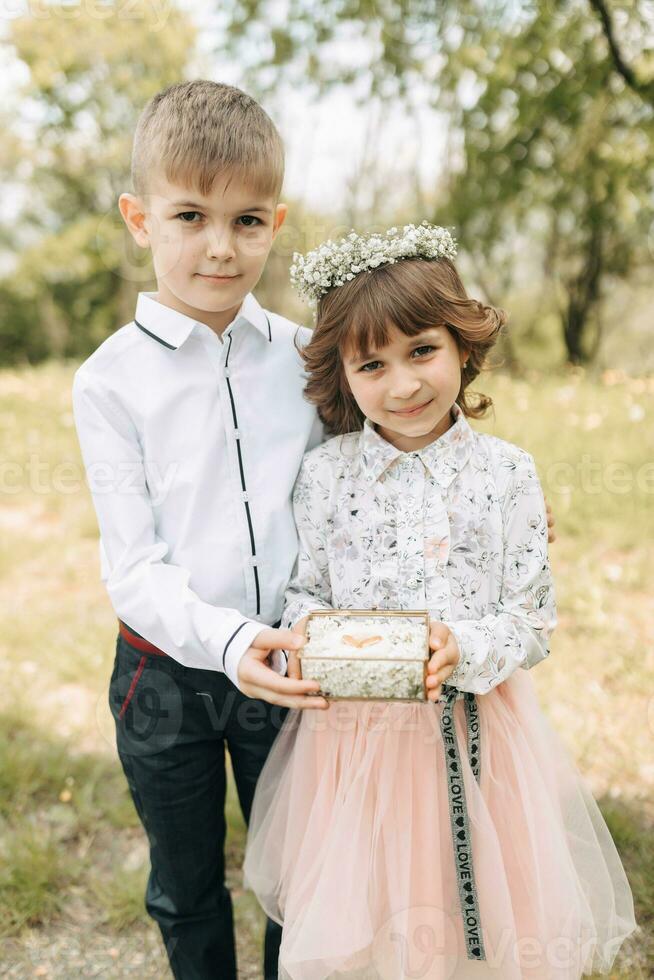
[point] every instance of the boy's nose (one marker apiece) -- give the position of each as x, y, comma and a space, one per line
220, 245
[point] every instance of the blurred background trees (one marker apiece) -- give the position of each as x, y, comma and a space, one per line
65, 160
547, 113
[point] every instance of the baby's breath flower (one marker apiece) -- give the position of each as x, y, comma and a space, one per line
335, 263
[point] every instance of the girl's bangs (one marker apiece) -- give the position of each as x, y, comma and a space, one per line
379, 306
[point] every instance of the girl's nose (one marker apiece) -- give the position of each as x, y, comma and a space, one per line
404, 385
220, 244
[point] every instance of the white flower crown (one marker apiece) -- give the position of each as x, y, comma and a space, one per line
335, 263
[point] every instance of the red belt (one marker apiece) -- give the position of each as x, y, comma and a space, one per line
137, 641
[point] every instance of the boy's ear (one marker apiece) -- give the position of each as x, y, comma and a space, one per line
132, 210
280, 216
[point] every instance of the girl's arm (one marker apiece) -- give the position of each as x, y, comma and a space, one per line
310, 586
517, 635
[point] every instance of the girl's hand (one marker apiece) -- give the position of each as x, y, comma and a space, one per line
293, 669
444, 659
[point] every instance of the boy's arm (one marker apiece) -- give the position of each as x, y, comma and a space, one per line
518, 635
149, 593
310, 586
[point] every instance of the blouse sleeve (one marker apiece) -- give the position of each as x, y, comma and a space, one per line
518, 634
310, 586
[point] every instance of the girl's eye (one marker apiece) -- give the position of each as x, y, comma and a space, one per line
427, 347
373, 365
183, 215
250, 220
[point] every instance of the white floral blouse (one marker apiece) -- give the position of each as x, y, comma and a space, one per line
458, 528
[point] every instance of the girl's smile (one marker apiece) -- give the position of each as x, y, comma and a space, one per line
410, 412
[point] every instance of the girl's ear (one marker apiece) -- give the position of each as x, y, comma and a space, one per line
464, 357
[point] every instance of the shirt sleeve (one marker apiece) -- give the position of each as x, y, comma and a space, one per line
518, 634
149, 593
310, 585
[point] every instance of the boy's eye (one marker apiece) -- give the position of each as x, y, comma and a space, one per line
183, 215
249, 220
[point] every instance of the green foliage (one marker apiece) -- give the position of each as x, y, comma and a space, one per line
552, 163
88, 73
556, 157
548, 170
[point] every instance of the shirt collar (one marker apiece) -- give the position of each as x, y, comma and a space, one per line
172, 328
444, 457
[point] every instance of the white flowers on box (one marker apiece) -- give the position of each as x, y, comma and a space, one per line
367, 655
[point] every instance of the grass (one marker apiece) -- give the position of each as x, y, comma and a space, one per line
120, 896
72, 855
33, 877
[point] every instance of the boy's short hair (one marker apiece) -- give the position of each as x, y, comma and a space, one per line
193, 131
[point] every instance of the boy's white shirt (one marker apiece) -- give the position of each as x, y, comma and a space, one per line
192, 561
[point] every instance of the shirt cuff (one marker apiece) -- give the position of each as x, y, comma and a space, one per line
297, 610
460, 677
240, 640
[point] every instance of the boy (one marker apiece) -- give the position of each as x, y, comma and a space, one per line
192, 426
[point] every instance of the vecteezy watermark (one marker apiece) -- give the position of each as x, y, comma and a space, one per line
155, 12
147, 704
375, 719
42, 476
145, 701
425, 942
590, 475
421, 942
170, 244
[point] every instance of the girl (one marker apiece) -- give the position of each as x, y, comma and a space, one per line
364, 840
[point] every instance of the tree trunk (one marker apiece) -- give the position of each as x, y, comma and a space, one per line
583, 294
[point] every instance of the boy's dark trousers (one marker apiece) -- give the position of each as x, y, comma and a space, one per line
172, 725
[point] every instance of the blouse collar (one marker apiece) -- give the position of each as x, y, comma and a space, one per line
444, 457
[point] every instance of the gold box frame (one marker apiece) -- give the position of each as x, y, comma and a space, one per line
373, 613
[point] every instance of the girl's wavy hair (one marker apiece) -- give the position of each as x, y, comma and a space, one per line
411, 294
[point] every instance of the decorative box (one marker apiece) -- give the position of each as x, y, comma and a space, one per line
367, 654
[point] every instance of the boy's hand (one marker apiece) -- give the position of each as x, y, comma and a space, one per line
257, 680
551, 535
444, 659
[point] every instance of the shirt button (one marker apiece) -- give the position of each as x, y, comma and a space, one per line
412, 583
227, 372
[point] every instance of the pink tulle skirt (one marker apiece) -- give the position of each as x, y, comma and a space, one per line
350, 846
